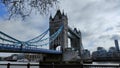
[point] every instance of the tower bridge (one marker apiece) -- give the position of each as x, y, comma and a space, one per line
59, 33
67, 32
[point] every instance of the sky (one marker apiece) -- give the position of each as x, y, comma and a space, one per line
98, 20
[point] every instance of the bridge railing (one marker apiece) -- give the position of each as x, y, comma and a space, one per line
56, 65
40, 65
28, 65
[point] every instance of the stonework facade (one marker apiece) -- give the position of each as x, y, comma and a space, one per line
34, 57
55, 23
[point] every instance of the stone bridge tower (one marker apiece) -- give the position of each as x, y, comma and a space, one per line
73, 53
58, 20
76, 42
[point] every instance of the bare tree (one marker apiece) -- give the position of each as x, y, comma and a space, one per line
24, 8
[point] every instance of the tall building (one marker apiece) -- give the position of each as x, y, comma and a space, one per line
116, 45
86, 54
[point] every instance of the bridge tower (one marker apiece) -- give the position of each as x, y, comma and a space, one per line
58, 20
76, 42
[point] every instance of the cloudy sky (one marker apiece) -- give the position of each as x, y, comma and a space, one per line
98, 20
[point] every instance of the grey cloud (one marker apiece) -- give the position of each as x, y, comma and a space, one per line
17, 30
97, 20
109, 29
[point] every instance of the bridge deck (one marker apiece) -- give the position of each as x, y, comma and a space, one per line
26, 49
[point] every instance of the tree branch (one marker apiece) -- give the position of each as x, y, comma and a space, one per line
24, 8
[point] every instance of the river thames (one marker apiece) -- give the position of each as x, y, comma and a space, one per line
12, 66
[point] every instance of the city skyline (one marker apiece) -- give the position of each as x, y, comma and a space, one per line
98, 21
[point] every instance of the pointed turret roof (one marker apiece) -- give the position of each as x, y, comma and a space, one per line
58, 12
50, 16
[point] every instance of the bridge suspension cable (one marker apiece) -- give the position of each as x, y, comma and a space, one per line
37, 41
8, 38
38, 38
48, 39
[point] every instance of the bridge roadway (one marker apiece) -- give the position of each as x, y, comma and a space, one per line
26, 49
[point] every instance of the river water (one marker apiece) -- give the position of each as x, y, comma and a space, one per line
106, 63
6, 62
